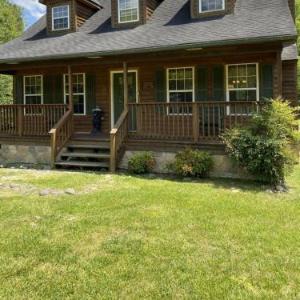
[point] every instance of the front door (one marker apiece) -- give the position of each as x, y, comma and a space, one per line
117, 93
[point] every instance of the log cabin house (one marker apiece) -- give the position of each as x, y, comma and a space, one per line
166, 74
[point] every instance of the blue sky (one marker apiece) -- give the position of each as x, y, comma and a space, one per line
32, 10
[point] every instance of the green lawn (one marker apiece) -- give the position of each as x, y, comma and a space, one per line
133, 238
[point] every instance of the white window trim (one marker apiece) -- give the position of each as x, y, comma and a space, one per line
168, 88
213, 10
60, 29
112, 91
66, 93
32, 95
242, 89
131, 21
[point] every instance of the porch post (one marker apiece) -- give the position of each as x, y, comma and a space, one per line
279, 74
71, 106
125, 84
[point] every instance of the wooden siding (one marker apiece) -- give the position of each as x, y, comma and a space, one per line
289, 80
83, 13
229, 9
149, 65
151, 5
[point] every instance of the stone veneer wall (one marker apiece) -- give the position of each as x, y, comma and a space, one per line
223, 167
24, 154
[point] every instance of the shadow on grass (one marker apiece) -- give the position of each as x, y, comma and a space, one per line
219, 183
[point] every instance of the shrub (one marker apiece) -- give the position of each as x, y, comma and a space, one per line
191, 163
141, 163
263, 147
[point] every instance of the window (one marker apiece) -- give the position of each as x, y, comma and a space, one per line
211, 5
180, 88
242, 83
128, 11
60, 17
78, 85
33, 89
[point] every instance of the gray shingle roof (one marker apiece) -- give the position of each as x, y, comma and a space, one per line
170, 27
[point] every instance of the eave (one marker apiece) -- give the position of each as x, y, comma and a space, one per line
185, 46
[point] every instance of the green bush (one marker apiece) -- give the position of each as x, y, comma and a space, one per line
141, 163
191, 163
263, 147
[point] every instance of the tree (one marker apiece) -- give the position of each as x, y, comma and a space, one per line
11, 26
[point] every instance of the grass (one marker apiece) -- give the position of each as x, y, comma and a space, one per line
137, 238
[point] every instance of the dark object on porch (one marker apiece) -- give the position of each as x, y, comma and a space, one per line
97, 120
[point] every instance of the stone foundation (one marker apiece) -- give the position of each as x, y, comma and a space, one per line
223, 166
24, 154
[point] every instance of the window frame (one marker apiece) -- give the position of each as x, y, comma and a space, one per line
52, 16
182, 91
131, 21
241, 89
66, 93
33, 95
213, 10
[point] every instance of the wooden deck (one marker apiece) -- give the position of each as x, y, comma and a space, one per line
143, 126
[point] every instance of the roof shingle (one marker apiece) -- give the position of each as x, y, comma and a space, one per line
170, 27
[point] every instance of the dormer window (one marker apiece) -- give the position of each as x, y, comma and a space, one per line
128, 11
61, 17
211, 5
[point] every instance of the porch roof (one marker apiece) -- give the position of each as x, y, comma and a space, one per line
169, 28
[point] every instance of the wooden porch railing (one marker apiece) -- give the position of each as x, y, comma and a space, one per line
117, 137
60, 134
187, 122
31, 119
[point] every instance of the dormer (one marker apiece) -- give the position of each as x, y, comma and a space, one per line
65, 16
210, 8
131, 13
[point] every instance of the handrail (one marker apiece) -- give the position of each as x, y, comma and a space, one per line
197, 102
60, 134
118, 134
188, 122
29, 119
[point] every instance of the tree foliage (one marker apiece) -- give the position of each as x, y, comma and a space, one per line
11, 26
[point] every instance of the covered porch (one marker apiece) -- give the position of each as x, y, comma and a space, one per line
183, 98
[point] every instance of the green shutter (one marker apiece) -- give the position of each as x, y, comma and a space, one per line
90, 84
266, 81
48, 88
19, 86
160, 86
53, 89
201, 84
58, 93
218, 83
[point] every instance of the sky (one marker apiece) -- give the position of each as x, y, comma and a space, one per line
32, 10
